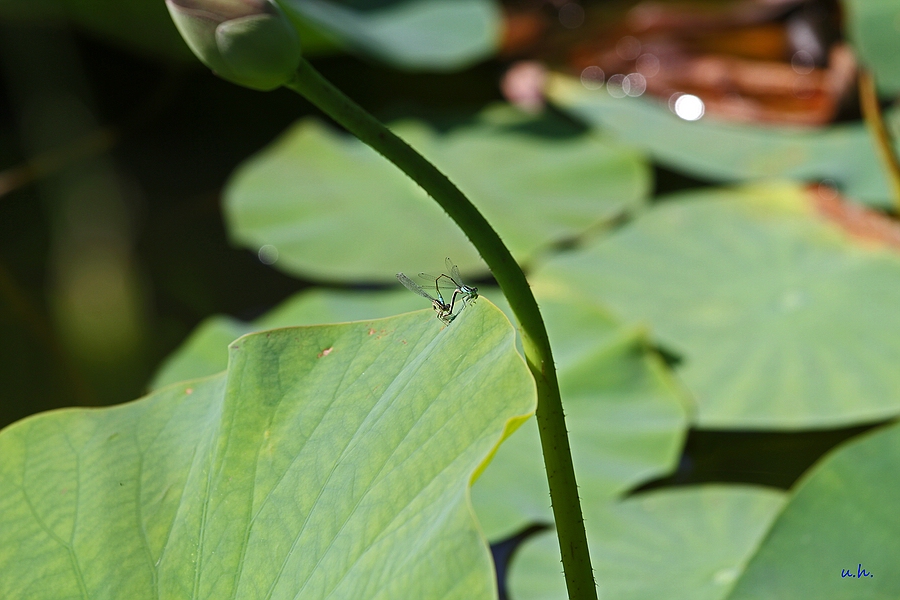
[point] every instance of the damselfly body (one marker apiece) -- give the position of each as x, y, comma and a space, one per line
452, 282
444, 311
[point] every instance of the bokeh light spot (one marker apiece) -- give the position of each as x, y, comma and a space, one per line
268, 254
571, 15
802, 62
628, 48
647, 65
615, 86
593, 77
634, 84
827, 189
689, 107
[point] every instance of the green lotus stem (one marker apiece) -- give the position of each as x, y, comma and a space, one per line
551, 420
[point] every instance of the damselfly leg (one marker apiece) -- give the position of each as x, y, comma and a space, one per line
468, 292
452, 284
444, 311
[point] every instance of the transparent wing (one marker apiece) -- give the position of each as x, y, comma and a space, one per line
453, 270
438, 282
414, 287
467, 290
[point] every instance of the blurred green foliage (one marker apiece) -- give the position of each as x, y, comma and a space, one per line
138, 189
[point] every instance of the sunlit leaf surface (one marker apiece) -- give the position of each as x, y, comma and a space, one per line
782, 320
626, 414
841, 517
872, 27
537, 181
205, 352
678, 544
411, 34
329, 461
719, 151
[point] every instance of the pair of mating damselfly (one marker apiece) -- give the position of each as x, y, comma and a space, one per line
465, 293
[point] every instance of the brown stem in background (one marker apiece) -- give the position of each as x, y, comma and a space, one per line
95, 143
52, 161
871, 110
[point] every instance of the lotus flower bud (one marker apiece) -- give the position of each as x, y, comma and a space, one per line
248, 42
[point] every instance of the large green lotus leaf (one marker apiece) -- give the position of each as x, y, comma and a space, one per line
681, 543
782, 320
872, 26
626, 417
329, 461
205, 352
732, 152
410, 34
334, 222
577, 330
842, 517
